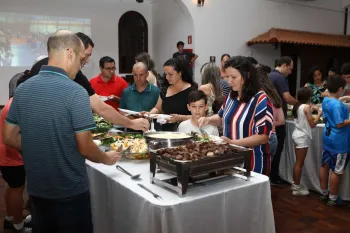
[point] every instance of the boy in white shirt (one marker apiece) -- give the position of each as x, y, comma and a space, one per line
197, 105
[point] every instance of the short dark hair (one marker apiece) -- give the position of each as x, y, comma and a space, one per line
85, 39
335, 82
310, 75
197, 95
250, 76
225, 55
284, 60
104, 60
253, 60
180, 43
345, 69
333, 70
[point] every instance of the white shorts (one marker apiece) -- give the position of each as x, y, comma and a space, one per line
300, 139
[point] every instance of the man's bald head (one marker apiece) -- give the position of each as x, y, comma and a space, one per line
66, 51
63, 39
140, 65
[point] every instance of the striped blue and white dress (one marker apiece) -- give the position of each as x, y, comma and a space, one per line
242, 120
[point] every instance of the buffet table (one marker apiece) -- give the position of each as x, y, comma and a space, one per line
227, 205
311, 170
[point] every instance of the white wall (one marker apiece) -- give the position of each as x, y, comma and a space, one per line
172, 22
104, 28
224, 26
345, 3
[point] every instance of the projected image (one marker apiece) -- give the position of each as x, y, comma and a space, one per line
23, 37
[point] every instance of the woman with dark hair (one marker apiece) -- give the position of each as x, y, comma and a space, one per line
224, 58
318, 85
178, 83
278, 115
210, 84
152, 72
246, 115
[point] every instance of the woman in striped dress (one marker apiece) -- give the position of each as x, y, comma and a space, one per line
246, 114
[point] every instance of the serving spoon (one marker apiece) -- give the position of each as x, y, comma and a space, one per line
134, 177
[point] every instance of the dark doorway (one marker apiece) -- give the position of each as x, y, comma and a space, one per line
133, 39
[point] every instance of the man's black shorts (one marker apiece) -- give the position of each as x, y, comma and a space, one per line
15, 176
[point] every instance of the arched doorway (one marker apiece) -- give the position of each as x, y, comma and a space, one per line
133, 39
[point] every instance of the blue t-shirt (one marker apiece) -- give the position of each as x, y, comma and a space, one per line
50, 109
335, 112
281, 84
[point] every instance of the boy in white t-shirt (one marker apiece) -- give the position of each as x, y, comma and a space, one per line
197, 105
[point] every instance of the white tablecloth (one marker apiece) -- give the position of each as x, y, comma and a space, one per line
226, 206
311, 170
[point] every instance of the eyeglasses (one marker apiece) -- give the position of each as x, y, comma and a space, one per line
82, 59
110, 68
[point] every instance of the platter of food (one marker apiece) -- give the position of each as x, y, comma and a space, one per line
102, 126
196, 150
134, 143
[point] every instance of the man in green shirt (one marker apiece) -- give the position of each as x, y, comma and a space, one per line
140, 96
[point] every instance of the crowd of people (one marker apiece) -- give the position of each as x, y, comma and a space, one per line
48, 120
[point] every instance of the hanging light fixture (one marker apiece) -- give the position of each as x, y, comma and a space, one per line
200, 3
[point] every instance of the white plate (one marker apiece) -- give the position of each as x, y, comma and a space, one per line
216, 139
128, 111
156, 116
160, 116
104, 98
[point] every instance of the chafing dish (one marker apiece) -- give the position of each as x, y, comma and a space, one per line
185, 173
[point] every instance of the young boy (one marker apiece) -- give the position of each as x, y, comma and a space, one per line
335, 141
197, 105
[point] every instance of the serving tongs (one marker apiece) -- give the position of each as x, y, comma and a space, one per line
123, 152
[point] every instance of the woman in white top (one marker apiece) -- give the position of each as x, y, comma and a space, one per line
302, 136
211, 84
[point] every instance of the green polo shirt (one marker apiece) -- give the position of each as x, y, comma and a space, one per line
134, 100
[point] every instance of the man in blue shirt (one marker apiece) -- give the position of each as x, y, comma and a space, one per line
335, 140
140, 96
279, 80
52, 128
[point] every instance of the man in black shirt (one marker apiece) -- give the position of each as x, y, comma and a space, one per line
98, 106
190, 57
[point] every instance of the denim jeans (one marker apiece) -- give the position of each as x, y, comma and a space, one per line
273, 145
66, 215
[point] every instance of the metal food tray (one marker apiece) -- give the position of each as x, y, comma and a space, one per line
186, 171
128, 155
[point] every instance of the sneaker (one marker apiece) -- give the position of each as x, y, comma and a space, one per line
323, 198
8, 224
300, 191
294, 187
338, 202
23, 230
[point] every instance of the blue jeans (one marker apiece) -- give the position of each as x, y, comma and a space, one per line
66, 215
273, 145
